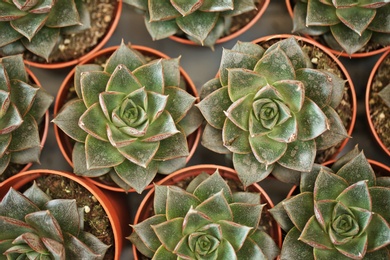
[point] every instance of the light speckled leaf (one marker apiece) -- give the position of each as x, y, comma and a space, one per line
140, 153
356, 18
43, 42
66, 214
94, 122
242, 82
41, 104
326, 179
267, 150
179, 102
240, 110
25, 136
161, 29
249, 48
63, 13
286, 132
151, 76
198, 24
171, 70
300, 209
101, 154
216, 208
163, 127
79, 69
252, 250
161, 10
186, 7
11, 120
234, 138
36, 195
299, 21
235, 234
246, 214
357, 195
126, 56
217, 5
292, 92
92, 83
326, 17
193, 221
80, 163
14, 205
294, 249
29, 25
169, 232
179, 202
14, 65
299, 155
380, 203
212, 185
381, 22
212, 140
280, 215
249, 169
22, 95
77, 247
121, 80
314, 235
337, 89
266, 243
172, 147
350, 41
241, 6
378, 233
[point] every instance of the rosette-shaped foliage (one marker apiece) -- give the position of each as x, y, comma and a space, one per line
130, 119
202, 21
35, 226
271, 109
206, 221
345, 25
22, 107
37, 25
341, 212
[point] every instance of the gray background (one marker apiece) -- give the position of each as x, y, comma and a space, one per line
201, 64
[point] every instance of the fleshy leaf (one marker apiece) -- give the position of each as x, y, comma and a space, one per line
299, 21
15, 67
11, 120
179, 102
234, 138
14, 200
246, 214
198, 24
126, 56
349, 17
8, 35
29, 25
234, 233
121, 80
101, 154
26, 136
194, 220
212, 140
242, 82
62, 14
356, 195
323, 212
92, 84
161, 29
172, 147
380, 201
212, 185
22, 95
249, 169
161, 10
378, 233
93, 121
266, 243
240, 110
354, 248
267, 150
140, 153
299, 155
216, 208
350, 41
186, 7
43, 42
314, 235
171, 70
326, 17
293, 248
300, 209
65, 212
36, 195
45, 224
169, 232
151, 76
292, 92
163, 127
326, 179
179, 202
251, 250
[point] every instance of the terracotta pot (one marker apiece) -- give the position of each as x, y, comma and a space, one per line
64, 142
144, 211
370, 92
237, 33
351, 89
110, 30
290, 7
110, 201
45, 120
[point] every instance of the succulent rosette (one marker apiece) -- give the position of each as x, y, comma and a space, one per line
130, 119
340, 213
22, 107
271, 109
206, 221
344, 25
37, 25
202, 21
35, 226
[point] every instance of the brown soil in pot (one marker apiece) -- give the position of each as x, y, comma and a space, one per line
321, 60
96, 220
74, 46
379, 111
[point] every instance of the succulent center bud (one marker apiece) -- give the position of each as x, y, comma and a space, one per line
202, 244
266, 111
132, 114
345, 225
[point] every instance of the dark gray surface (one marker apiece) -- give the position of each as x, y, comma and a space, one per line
201, 64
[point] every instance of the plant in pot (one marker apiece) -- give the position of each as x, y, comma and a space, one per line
273, 109
340, 212
130, 118
47, 214
199, 22
348, 28
378, 102
200, 213
56, 34
23, 116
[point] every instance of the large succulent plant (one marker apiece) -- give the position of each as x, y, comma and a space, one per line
341, 212
130, 119
35, 226
37, 25
202, 21
22, 107
205, 221
271, 109
345, 25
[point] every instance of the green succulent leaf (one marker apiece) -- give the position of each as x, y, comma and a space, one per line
140, 153
348, 39
66, 214
356, 18
25, 137
63, 14
213, 107
249, 48
22, 95
78, 248
161, 10
326, 17
294, 249
43, 42
198, 24
93, 121
326, 179
300, 209
101, 154
275, 66
121, 80
267, 150
299, 155
378, 233
379, 203
212, 185
151, 76
14, 200
292, 92
179, 202
323, 212
249, 169
31, 241
279, 213
216, 208
15, 67
299, 21
315, 236
355, 248
381, 23
163, 253
29, 25
216, 6
194, 220
172, 148
356, 195
161, 29
169, 232
42, 102
36, 195
242, 82
163, 127
240, 110
252, 250
7, 9
130, 173
9, 34
179, 102
234, 138
45, 225
186, 7
171, 70
235, 234
286, 132
79, 70
266, 243
93, 83
125, 56
246, 215
240, 7
212, 140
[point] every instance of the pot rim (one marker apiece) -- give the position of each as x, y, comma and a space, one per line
335, 52
367, 101
194, 138
194, 171
101, 43
23, 178
230, 36
351, 88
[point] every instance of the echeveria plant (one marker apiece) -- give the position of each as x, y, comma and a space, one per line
202, 21
341, 212
37, 25
206, 221
22, 107
344, 25
130, 119
35, 226
271, 109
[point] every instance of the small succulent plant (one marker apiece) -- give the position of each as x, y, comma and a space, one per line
271, 110
205, 221
345, 25
202, 21
22, 107
35, 226
37, 25
341, 212
130, 119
